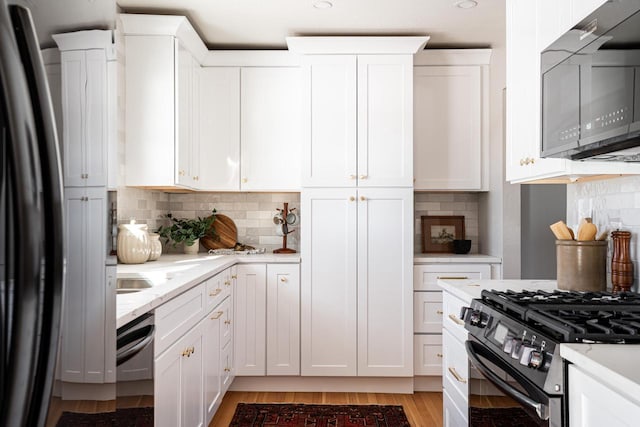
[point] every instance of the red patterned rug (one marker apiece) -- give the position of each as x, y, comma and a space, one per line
294, 415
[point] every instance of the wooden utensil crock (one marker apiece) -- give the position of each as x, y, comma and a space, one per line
621, 265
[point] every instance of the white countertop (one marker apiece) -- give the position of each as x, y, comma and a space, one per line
469, 289
612, 364
454, 258
172, 275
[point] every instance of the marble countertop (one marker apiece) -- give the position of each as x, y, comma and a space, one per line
172, 275
454, 258
611, 364
470, 289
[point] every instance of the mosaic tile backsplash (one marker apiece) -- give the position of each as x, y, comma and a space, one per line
612, 204
465, 204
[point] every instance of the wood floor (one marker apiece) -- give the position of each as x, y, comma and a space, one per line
422, 409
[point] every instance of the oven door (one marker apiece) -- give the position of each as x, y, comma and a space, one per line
537, 407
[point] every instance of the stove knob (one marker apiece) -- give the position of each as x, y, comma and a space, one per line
508, 344
516, 346
475, 318
525, 354
536, 359
484, 320
463, 312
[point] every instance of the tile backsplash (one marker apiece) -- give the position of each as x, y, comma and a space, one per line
251, 212
612, 204
465, 204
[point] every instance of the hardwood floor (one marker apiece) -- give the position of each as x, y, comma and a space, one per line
57, 406
422, 409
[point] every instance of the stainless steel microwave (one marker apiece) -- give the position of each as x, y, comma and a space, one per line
590, 80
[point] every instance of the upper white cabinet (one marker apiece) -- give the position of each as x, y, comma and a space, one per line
531, 27
270, 117
451, 120
358, 117
220, 128
87, 108
356, 296
187, 118
358, 110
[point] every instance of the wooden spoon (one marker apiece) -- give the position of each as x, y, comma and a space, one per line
561, 231
587, 232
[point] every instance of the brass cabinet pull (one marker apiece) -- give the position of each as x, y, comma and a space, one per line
215, 293
352, 176
439, 312
363, 176
457, 376
244, 180
452, 277
234, 276
227, 322
227, 369
439, 355
456, 320
217, 315
227, 282
181, 173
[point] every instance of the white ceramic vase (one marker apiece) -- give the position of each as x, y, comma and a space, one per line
155, 246
193, 249
133, 243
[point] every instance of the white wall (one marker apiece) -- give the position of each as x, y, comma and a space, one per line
612, 204
61, 16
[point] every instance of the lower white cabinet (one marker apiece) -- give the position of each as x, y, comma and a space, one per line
592, 403
427, 359
179, 382
267, 313
217, 366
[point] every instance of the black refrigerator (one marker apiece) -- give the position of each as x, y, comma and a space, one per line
31, 225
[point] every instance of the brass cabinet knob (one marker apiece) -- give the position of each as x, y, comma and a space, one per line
244, 180
362, 198
352, 176
227, 322
521, 162
283, 279
352, 199
235, 276
227, 369
439, 312
227, 282
363, 176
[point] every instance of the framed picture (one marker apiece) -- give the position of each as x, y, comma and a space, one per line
439, 232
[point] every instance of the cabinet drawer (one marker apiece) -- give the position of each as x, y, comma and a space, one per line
177, 317
453, 415
218, 288
455, 367
451, 321
425, 277
427, 312
427, 355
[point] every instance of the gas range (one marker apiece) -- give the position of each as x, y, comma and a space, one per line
523, 330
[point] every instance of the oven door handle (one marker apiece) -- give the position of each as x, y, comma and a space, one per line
541, 409
145, 335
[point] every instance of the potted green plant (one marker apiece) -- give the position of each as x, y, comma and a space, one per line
187, 231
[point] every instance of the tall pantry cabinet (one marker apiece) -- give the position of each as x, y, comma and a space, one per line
87, 74
357, 204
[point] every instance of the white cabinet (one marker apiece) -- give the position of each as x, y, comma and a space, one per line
162, 104
366, 271
427, 359
283, 319
83, 329
179, 382
358, 121
267, 318
593, 403
250, 315
219, 128
531, 27
449, 128
216, 324
270, 102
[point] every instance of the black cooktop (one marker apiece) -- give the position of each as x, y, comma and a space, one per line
573, 316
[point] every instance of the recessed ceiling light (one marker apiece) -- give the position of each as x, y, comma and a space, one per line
466, 4
323, 4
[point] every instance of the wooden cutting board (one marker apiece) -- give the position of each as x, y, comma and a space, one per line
226, 234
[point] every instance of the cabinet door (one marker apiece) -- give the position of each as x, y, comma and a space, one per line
329, 147
553, 20
220, 128
192, 379
83, 334
581, 8
270, 105
96, 132
283, 319
250, 318
385, 120
427, 312
212, 368
74, 77
167, 386
329, 274
427, 354
184, 88
448, 128
385, 282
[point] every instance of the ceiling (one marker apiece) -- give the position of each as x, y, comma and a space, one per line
264, 24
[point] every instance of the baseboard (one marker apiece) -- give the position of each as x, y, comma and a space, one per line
324, 384
427, 383
82, 391
134, 388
